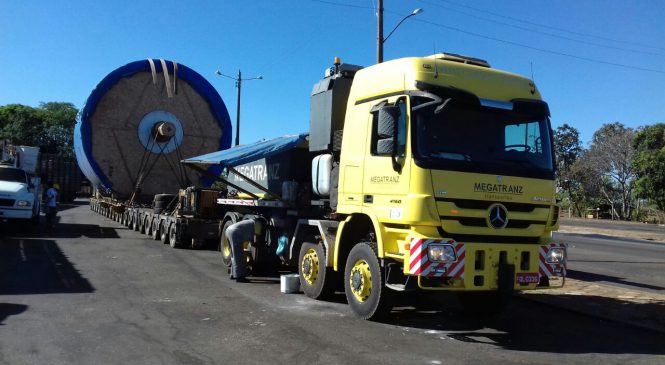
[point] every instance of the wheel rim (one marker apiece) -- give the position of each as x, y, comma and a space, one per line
226, 248
310, 266
172, 236
361, 280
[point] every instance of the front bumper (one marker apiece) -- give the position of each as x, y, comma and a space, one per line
16, 213
485, 266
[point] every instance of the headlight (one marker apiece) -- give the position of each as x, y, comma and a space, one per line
23, 203
441, 253
556, 255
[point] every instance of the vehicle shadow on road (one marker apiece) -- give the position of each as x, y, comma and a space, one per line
592, 277
59, 230
37, 266
10, 309
530, 326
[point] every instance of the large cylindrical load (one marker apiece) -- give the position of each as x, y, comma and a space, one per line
140, 121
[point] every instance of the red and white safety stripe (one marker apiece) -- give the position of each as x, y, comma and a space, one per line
548, 269
419, 263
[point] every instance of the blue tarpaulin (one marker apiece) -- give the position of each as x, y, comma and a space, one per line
243, 154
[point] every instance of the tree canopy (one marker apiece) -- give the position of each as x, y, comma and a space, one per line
49, 126
649, 163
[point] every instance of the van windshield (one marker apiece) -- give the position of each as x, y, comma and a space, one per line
14, 175
473, 138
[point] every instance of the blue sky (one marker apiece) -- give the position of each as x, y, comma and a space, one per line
59, 50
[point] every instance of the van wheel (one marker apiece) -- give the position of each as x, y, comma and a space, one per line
364, 283
316, 280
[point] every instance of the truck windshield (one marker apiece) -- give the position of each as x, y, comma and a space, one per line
15, 175
472, 138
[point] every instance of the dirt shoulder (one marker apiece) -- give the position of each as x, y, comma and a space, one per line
609, 231
636, 308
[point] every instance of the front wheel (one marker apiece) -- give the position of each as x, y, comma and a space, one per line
316, 280
364, 283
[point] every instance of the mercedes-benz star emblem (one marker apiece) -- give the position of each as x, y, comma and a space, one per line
498, 216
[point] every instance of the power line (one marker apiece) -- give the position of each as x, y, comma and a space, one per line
543, 50
343, 4
541, 32
551, 27
539, 49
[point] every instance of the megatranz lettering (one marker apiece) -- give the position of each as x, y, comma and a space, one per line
497, 188
384, 179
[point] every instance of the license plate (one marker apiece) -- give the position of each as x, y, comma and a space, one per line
527, 277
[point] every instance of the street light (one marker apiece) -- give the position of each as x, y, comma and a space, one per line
379, 37
238, 81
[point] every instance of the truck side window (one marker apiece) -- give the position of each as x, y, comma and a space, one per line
401, 129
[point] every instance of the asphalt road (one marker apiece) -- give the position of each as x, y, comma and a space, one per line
93, 292
630, 263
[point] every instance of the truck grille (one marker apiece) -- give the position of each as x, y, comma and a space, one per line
481, 222
7, 202
482, 204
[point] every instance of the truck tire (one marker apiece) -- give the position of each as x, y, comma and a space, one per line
154, 229
163, 233
142, 224
174, 240
135, 222
148, 226
317, 280
364, 283
225, 245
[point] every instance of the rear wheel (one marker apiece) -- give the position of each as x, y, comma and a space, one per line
173, 236
316, 280
225, 244
364, 283
135, 222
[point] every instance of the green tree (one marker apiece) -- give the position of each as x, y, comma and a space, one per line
567, 150
649, 163
611, 156
50, 126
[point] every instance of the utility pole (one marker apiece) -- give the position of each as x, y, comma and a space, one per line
238, 81
238, 85
379, 31
379, 28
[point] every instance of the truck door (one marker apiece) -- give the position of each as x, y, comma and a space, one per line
386, 176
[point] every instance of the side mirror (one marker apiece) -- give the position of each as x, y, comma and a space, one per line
386, 130
386, 143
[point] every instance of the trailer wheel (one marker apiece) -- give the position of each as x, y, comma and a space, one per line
225, 245
316, 280
364, 283
154, 229
163, 233
135, 222
142, 225
173, 236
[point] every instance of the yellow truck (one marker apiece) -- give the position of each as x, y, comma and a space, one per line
427, 173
